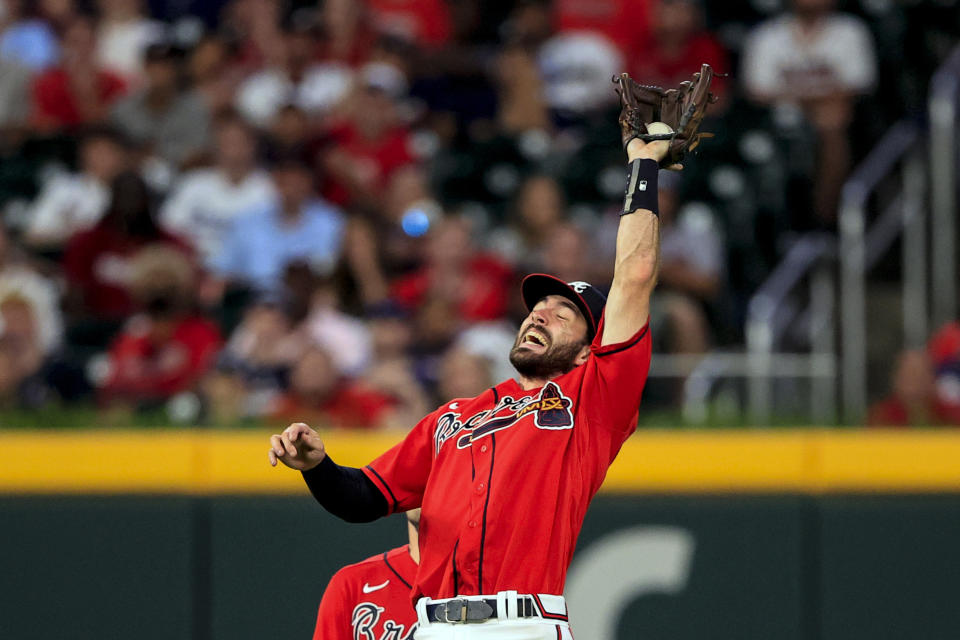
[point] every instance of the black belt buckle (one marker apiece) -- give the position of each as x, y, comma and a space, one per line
462, 611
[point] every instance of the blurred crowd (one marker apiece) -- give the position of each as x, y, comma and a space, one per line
321, 210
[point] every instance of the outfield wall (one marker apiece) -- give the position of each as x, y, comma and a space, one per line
810, 535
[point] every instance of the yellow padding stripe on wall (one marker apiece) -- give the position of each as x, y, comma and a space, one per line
201, 462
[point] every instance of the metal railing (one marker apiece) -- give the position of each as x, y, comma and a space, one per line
897, 156
769, 315
859, 250
942, 106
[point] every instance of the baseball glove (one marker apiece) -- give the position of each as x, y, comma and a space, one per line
682, 109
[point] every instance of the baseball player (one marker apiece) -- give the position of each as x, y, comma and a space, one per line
504, 479
371, 599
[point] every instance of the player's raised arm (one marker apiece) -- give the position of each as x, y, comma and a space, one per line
638, 248
657, 127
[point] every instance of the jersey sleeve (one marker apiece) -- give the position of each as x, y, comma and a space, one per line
613, 380
333, 615
401, 473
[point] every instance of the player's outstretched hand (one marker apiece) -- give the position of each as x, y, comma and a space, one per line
299, 447
655, 150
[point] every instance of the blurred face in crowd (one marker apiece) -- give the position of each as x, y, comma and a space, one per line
463, 375
289, 127
374, 112
552, 339
391, 337
676, 19
4, 245
18, 319
406, 186
913, 379
450, 243
530, 23
57, 10
79, 42
207, 60
540, 203
813, 8
314, 375
102, 158
235, 147
436, 323
565, 252
339, 16
300, 50
10, 376
119, 9
294, 185
161, 75
130, 205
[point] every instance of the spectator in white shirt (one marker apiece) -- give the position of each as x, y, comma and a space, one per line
204, 203
297, 80
123, 35
819, 60
71, 202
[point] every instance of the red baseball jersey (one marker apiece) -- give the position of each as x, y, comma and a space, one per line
505, 478
370, 600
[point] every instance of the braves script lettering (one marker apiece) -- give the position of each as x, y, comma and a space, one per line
365, 617
550, 408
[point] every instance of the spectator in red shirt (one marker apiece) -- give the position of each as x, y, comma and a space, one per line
422, 22
370, 144
625, 23
167, 348
77, 92
913, 400
678, 46
346, 33
319, 394
477, 285
97, 261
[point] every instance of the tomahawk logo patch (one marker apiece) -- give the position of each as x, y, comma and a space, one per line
550, 408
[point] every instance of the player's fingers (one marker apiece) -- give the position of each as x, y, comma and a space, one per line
675, 167
272, 456
295, 430
288, 446
276, 445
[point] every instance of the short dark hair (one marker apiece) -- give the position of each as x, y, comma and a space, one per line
162, 52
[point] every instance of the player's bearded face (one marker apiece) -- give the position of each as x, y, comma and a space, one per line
551, 357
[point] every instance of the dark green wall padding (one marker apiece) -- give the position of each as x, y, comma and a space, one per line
784, 567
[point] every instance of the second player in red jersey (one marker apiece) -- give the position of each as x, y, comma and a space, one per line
370, 600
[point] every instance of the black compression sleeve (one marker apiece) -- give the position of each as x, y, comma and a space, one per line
345, 492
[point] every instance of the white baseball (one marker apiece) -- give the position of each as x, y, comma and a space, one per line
659, 127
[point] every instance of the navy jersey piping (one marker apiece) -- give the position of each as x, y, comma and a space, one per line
624, 347
456, 576
483, 530
395, 572
389, 490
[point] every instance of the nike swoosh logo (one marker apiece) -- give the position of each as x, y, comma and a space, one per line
454, 405
368, 589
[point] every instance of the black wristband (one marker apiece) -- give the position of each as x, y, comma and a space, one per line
641, 190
